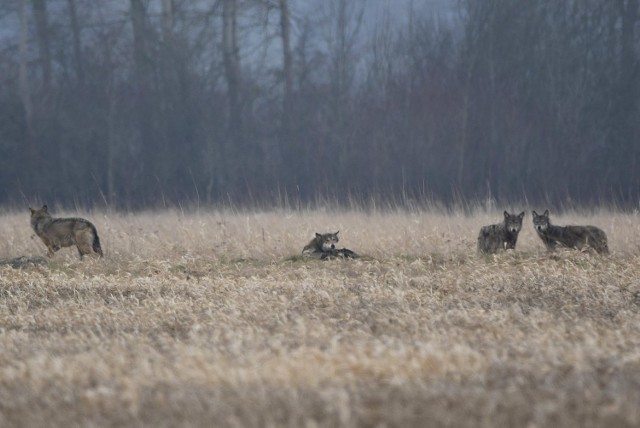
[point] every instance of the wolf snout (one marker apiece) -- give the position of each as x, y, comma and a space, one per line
333, 246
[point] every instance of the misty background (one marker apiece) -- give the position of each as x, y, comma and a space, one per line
150, 103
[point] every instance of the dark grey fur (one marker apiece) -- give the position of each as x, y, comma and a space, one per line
501, 236
323, 246
577, 237
344, 253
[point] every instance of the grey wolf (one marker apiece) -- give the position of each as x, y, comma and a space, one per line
577, 237
57, 233
323, 246
501, 236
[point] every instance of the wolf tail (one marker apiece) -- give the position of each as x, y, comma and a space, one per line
96, 242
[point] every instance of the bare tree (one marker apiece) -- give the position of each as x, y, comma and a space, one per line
141, 52
231, 53
626, 114
168, 18
42, 33
77, 43
347, 16
146, 108
287, 63
25, 90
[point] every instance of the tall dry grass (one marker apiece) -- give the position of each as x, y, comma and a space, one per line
210, 319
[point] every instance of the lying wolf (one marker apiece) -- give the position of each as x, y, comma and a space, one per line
323, 247
501, 236
577, 237
57, 233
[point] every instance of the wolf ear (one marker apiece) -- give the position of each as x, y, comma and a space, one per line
534, 213
337, 232
32, 210
546, 213
318, 235
44, 208
506, 214
521, 215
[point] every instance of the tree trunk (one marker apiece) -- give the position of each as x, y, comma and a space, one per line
42, 33
232, 63
287, 63
629, 83
168, 21
77, 44
25, 91
139, 41
144, 102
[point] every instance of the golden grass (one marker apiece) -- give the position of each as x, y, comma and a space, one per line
210, 319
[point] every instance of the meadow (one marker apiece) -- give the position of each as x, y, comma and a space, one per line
210, 318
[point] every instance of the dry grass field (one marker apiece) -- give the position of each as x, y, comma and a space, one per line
210, 318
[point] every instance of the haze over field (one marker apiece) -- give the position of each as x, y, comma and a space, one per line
136, 104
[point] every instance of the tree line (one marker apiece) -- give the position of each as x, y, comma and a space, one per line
144, 103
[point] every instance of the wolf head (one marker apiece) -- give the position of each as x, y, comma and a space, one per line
39, 217
328, 240
41, 213
513, 222
540, 221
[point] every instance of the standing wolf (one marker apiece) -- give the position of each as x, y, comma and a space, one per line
577, 237
501, 236
57, 233
323, 246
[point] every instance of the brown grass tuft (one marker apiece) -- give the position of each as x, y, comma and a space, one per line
210, 319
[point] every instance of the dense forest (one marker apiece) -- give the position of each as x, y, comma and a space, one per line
148, 103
